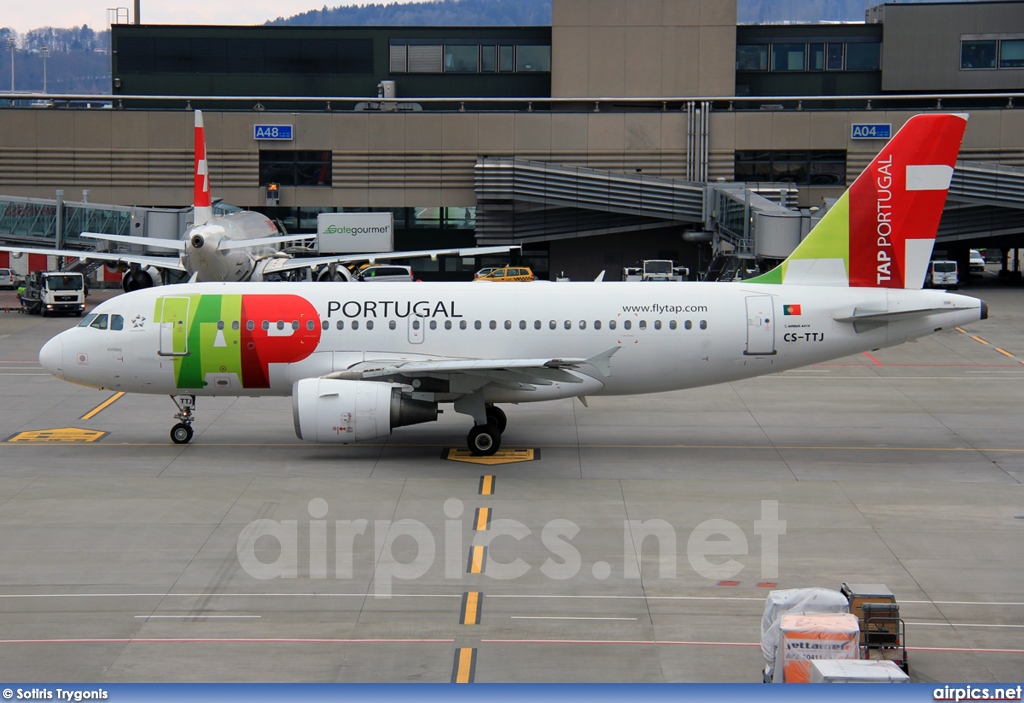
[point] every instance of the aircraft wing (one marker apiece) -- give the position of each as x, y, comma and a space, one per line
154, 242
166, 262
315, 261
512, 373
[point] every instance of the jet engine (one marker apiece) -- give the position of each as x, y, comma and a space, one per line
137, 278
341, 411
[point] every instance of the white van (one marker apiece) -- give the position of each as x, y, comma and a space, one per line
942, 274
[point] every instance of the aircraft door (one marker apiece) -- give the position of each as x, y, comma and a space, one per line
174, 326
417, 326
760, 325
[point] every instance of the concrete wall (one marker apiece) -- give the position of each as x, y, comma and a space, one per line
643, 48
921, 51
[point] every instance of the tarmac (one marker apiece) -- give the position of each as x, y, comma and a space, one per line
636, 542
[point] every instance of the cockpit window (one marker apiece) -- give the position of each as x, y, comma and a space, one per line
116, 322
100, 322
87, 320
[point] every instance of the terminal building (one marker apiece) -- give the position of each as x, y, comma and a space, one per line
627, 130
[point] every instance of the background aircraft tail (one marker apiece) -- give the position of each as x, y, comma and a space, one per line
203, 204
880, 233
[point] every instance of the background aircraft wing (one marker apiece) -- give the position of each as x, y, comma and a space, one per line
175, 244
167, 262
317, 261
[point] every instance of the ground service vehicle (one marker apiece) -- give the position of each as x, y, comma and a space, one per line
508, 273
48, 292
9, 279
977, 262
882, 631
655, 270
942, 274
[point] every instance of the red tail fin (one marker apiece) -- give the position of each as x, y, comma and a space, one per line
202, 203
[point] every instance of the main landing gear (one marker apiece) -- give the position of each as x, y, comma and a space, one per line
485, 440
182, 432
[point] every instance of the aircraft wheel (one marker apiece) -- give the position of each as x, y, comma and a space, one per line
496, 417
484, 440
181, 433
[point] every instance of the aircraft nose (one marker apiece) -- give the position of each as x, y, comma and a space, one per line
51, 357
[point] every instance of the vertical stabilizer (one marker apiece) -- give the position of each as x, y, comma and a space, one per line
880, 233
202, 202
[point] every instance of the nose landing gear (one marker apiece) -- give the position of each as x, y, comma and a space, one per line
182, 432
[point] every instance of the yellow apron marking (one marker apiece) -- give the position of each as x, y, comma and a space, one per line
483, 519
59, 434
976, 338
1003, 352
486, 485
102, 406
477, 556
472, 603
464, 669
502, 456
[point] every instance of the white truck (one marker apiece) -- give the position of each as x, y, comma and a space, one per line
49, 292
655, 270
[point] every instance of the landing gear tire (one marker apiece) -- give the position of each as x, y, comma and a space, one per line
496, 417
181, 433
484, 440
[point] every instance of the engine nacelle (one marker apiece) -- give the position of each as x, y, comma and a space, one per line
332, 410
138, 278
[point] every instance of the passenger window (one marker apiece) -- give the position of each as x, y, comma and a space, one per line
611, 324
508, 324
447, 324
280, 324
477, 325
688, 325
536, 324
415, 324
354, 325
116, 322
295, 325
643, 324
250, 325
462, 324
235, 325
597, 324
266, 325
220, 325
341, 324
657, 324
369, 324
567, 325
310, 325
626, 324
583, 324
522, 324
493, 325
392, 325
433, 324
325, 325
703, 324
552, 325
100, 323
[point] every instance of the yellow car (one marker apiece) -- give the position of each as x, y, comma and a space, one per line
508, 273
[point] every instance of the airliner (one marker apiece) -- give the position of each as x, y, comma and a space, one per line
359, 361
239, 246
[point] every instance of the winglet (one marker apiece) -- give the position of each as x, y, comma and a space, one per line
203, 212
880, 233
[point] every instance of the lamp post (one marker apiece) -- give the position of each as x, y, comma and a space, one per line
45, 51
10, 45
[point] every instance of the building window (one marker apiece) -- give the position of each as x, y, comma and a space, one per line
816, 167
1011, 53
532, 59
461, 59
506, 59
788, 57
426, 58
751, 57
488, 59
816, 57
978, 54
295, 168
863, 57
834, 56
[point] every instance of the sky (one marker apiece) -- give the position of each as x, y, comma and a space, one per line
23, 16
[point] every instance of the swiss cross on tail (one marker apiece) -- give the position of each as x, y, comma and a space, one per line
880, 233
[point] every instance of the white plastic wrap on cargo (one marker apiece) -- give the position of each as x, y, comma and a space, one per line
856, 671
793, 600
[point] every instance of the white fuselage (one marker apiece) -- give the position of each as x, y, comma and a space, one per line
203, 257
195, 338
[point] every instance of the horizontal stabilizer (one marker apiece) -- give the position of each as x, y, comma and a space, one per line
860, 315
229, 244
